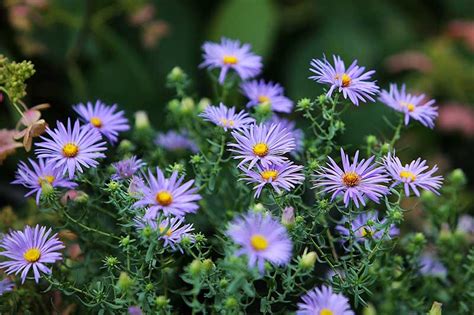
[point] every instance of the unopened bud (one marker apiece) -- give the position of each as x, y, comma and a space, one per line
207, 264
161, 301
230, 303
141, 120
371, 140
288, 216
195, 267
304, 104
435, 308
385, 148
124, 282
259, 208
203, 104
46, 188
187, 105
457, 177
308, 260
176, 75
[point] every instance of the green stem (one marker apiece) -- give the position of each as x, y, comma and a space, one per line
87, 228
396, 135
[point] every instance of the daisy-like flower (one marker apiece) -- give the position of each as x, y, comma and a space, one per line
362, 230
226, 117
6, 285
466, 224
230, 54
41, 174
413, 106
31, 248
431, 266
261, 238
72, 148
352, 82
168, 195
176, 141
290, 125
127, 168
262, 143
323, 301
280, 176
354, 181
172, 230
414, 175
104, 118
261, 93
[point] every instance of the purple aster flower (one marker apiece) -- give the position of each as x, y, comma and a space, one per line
262, 239
353, 82
290, 125
466, 224
136, 187
134, 310
72, 148
176, 141
262, 143
354, 181
362, 230
31, 248
230, 54
226, 117
267, 94
413, 175
105, 118
6, 285
323, 301
280, 176
413, 106
168, 195
42, 173
127, 168
431, 266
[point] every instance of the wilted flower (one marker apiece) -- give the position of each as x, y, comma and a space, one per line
413, 175
34, 126
262, 143
362, 230
280, 176
6, 285
354, 181
271, 94
431, 266
8, 145
413, 106
226, 117
323, 301
262, 239
31, 248
127, 168
168, 195
230, 54
176, 141
42, 173
352, 82
76, 147
105, 118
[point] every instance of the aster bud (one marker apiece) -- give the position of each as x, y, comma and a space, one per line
125, 241
141, 120
174, 105
161, 301
124, 282
371, 140
231, 303
385, 148
457, 177
308, 260
428, 196
435, 309
223, 283
369, 310
288, 216
176, 75
196, 159
203, 104
339, 125
126, 146
259, 208
304, 104
207, 264
113, 185
195, 267
187, 105
149, 287
264, 109
147, 231
111, 261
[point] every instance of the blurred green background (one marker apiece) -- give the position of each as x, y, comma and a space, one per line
120, 52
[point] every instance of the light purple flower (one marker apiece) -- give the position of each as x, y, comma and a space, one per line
352, 82
431, 266
72, 148
323, 301
137, 187
290, 125
104, 118
262, 239
267, 93
413, 175
42, 173
354, 181
280, 176
6, 285
134, 310
226, 117
262, 143
176, 141
168, 195
230, 54
413, 106
362, 230
31, 248
127, 168
466, 224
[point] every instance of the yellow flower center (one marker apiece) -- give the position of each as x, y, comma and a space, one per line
164, 198
260, 149
168, 232
263, 99
267, 174
366, 232
351, 179
408, 175
326, 311
346, 80
230, 60
409, 106
70, 150
32, 255
227, 122
258, 242
96, 122
48, 178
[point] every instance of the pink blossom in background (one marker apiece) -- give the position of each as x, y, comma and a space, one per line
456, 117
153, 32
462, 29
142, 15
409, 60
